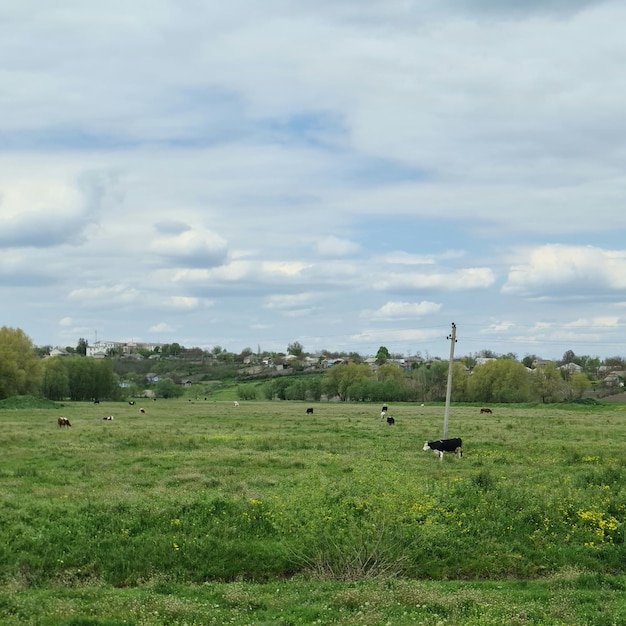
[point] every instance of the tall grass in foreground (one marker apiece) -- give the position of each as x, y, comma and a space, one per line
193, 492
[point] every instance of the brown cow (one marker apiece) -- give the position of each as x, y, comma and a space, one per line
486, 410
63, 421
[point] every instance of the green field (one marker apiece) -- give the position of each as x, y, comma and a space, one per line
205, 513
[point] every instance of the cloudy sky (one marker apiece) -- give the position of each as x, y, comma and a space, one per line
342, 173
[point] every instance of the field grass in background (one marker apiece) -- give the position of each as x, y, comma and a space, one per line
200, 512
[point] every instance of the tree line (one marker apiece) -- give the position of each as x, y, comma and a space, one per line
497, 381
24, 372
504, 379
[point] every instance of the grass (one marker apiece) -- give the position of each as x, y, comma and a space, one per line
200, 512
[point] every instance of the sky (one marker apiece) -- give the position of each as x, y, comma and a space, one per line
347, 174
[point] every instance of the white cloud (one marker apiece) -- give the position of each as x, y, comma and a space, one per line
309, 163
559, 270
406, 310
290, 301
105, 295
336, 247
463, 279
192, 248
163, 327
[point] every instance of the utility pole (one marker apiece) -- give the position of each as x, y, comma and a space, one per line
452, 338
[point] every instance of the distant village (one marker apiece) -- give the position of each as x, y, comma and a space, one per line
611, 374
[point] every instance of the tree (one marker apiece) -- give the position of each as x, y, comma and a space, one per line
382, 356
502, 380
548, 383
578, 384
55, 383
568, 357
81, 347
91, 379
339, 378
390, 371
529, 359
295, 349
167, 388
20, 369
438, 379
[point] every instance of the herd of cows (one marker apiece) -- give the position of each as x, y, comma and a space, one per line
439, 447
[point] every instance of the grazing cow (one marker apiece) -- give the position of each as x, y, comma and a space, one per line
309, 411
445, 445
96, 401
390, 420
63, 421
131, 402
486, 410
382, 415
142, 410
385, 408
108, 418
235, 403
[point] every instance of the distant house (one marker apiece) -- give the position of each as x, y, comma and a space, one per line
614, 379
152, 377
541, 363
59, 352
571, 368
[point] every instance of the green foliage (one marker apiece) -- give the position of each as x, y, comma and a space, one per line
55, 382
167, 388
382, 356
27, 402
91, 379
295, 348
81, 347
20, 369
502, 380
578, 384
341, 377
547, 383
247, 392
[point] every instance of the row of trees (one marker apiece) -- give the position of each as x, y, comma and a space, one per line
23, 372
502, 380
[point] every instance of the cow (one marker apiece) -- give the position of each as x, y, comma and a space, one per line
382, 415
96, 401
235, 403
142, 410
445, 445
484, 410
63, 421
108, 418
385, 408
390, 420
309, 411
131, 402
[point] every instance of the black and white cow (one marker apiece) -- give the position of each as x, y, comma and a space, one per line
385, 408
441, 446
309, 411
390, 420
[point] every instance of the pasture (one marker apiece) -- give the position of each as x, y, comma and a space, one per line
201, 512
